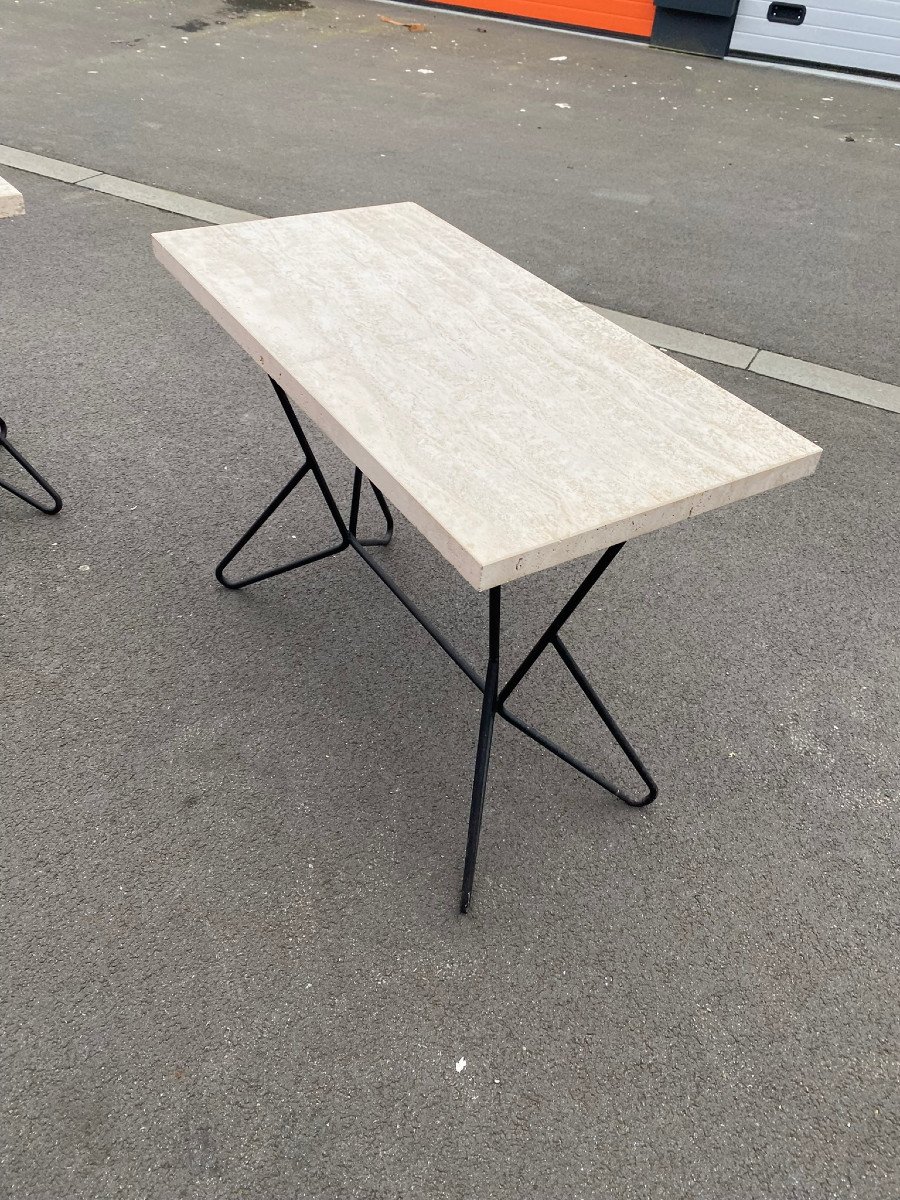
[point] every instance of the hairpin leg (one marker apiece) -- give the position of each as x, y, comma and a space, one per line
551, 637
309, 465
55, 499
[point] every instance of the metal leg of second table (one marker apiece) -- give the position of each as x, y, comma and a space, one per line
55, 499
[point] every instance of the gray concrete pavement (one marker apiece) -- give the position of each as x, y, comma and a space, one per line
233, 824
716, 196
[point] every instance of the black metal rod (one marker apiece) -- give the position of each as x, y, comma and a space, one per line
557, 623
311, 459
449, 649
266, 513
354, 501
611, 724
55, 498
483, 753
384, 540
388, 520
323, 485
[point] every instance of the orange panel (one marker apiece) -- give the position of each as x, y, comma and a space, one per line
613, 16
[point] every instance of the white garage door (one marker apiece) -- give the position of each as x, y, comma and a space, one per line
862, 34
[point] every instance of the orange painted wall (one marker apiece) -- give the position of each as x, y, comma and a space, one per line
613, 16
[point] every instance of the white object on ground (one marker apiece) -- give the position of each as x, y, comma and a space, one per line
11, 202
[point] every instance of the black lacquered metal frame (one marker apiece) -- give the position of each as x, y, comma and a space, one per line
55, 499
494, 697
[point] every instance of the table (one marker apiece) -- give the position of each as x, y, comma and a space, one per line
515, 428
12, 205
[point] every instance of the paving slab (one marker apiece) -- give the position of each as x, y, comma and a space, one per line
234, 823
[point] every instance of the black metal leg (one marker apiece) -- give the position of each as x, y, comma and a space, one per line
550, 637
310, 464
483, 753
267, 512
385, 539
494, 698
55, 498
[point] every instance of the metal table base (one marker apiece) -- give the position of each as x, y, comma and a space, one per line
494, 697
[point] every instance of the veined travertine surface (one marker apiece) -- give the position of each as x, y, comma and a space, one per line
11, 202
514, 427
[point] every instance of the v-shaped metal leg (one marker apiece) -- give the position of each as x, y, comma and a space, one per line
494, 704
494, 698
55, 499
551, 637
309, 464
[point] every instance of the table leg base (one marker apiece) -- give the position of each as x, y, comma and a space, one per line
494, 698
309, 465
55, 499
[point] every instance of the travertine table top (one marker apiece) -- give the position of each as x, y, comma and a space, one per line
514, 427
11, 202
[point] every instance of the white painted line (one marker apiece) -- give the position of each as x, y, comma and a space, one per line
667, 337
11, 202
174, 202
683, 341
826, 379
37, 164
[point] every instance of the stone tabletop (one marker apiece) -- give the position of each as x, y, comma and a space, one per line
514, 427
11, 202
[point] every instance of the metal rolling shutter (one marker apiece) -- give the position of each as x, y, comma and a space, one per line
861, 34
633, 17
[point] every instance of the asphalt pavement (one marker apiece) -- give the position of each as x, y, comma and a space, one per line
752, 204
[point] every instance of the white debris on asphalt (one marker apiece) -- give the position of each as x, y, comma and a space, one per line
460, 1066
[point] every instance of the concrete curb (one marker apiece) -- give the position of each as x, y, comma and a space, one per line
683, 341
154, 197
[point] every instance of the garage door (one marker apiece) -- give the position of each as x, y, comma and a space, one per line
634, 17
862, 34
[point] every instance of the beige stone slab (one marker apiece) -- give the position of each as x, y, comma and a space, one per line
11, 202
516, 428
